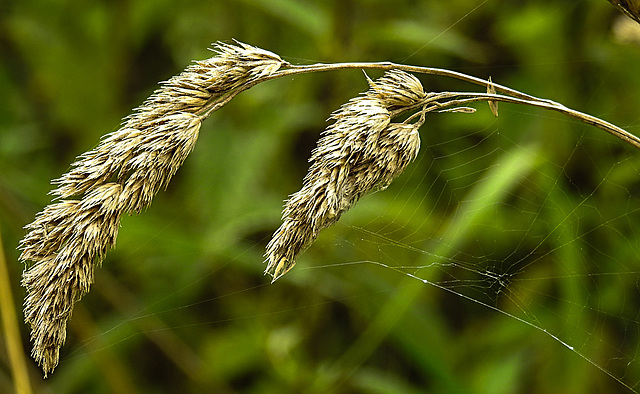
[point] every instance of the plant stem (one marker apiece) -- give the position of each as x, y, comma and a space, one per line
11, 331
468, 97
509, 95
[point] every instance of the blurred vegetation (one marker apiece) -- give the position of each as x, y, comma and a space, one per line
530, 212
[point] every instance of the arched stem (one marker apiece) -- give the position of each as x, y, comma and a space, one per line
508, 95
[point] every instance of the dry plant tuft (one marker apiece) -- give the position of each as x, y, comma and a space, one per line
121, 175
361, 151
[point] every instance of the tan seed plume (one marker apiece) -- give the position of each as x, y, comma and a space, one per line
360, 152
121, 175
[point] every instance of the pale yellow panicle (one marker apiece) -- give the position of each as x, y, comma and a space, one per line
121, 175
360, 152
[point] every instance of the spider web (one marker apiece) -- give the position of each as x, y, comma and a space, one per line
546, 240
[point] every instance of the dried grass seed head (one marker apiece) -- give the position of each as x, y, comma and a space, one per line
122, 174
360, 152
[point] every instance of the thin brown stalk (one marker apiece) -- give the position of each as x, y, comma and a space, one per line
630, 8
525, 99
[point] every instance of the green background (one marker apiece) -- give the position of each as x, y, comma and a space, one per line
531, 212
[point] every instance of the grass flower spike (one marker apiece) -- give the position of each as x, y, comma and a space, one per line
360, 152
121, 175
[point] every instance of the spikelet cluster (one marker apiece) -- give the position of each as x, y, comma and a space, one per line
121, 175
360, 152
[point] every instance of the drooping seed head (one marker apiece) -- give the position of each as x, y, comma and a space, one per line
360, 152
120, 175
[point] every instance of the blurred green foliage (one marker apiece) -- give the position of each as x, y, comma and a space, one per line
531, 213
